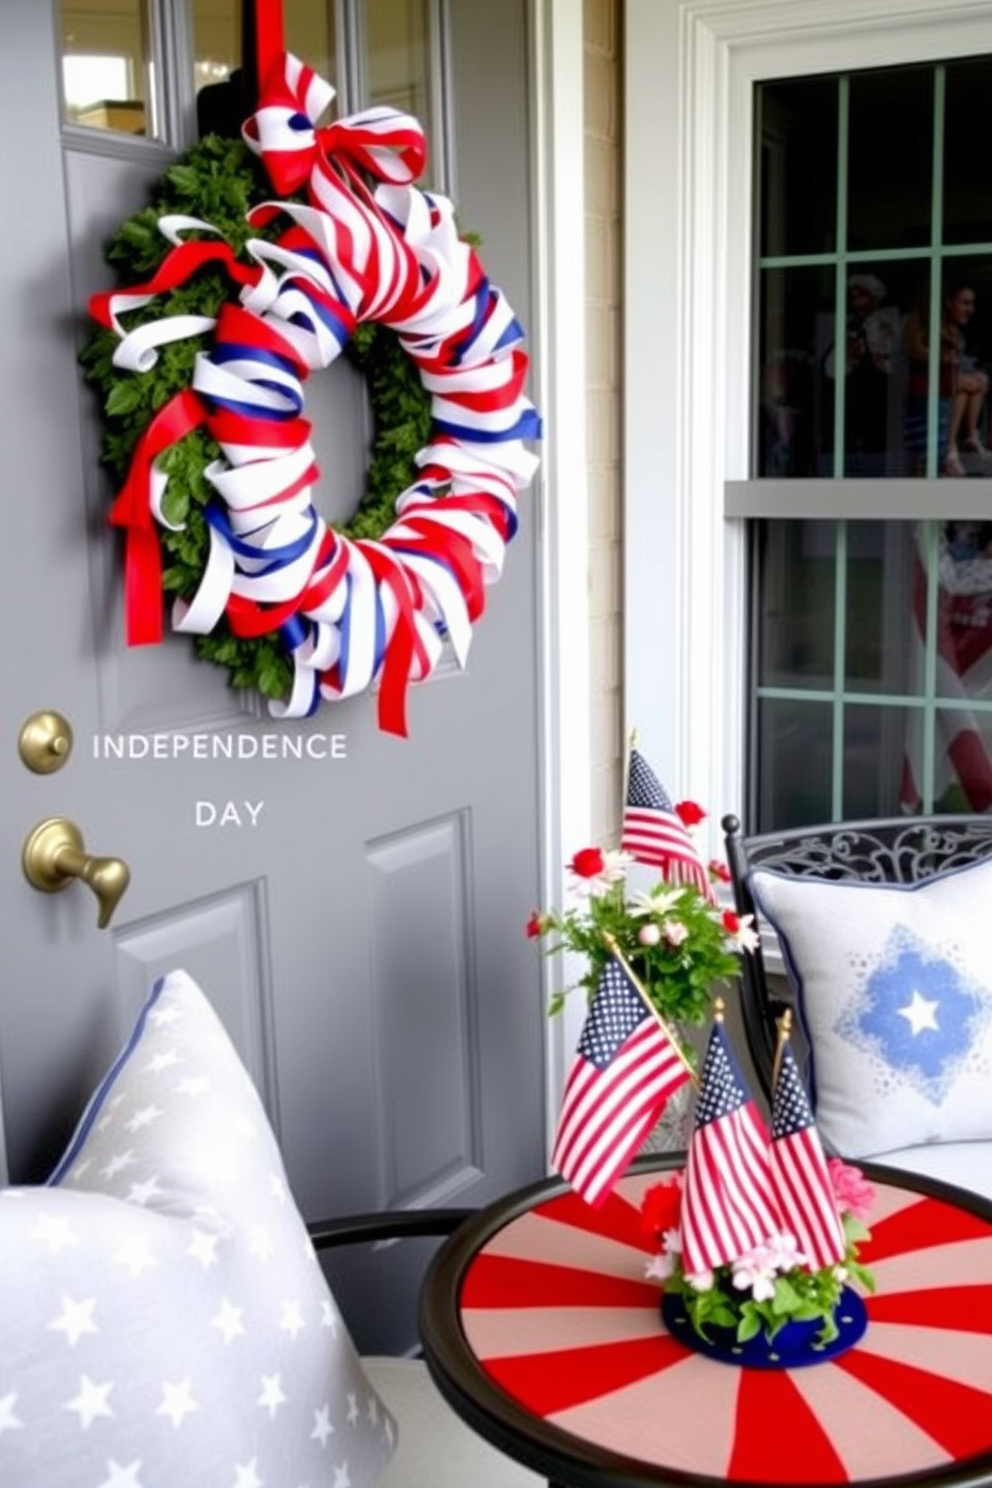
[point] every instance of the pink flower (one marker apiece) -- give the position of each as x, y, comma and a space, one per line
534, 927
718, 871
755, 1272
689, 813
674, 932
851, 1188
649, 935
660, 1267
783, 1251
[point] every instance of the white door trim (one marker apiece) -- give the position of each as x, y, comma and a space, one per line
560, 293
690, 67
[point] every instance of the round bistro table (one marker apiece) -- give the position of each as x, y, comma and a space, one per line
540, 1329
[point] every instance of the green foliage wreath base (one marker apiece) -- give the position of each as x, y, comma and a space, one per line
219, 180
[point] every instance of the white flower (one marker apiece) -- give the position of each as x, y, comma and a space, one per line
739, 930
701, 1281
658, 901
588, 878
649, 934
672, 1240
755, 1272
674, 932
841, 1273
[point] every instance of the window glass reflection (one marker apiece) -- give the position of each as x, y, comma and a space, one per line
790, 730
797, 584
871, 362
222, 99
398, 56
966, 355
874, 743
880, 571
309, 30
795, 414
890, 158
967, 191
962, 760
216, 41
888, 426
106, 63
947, 759
798, 134
960, 419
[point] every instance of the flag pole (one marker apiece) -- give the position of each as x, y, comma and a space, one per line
615, 950
784, 1030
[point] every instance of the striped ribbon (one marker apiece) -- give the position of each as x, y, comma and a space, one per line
366, 245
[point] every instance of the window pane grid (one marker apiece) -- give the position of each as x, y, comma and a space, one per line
840, 293
840, 658
863, 256
912, 601
871, 699
925, 723
830, 436
936, 298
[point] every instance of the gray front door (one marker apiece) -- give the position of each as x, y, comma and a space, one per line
357, 921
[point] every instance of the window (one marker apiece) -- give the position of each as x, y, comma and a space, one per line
106, 66
309, 32
372, 53
871, 624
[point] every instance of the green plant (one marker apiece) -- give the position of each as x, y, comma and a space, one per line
771, 1285
677, 941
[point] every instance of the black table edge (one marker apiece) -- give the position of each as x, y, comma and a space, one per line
559, 1455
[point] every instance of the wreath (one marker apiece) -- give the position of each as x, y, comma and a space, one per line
204, 414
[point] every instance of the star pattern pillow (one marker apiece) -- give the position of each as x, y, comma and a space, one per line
894, 987
164, 1320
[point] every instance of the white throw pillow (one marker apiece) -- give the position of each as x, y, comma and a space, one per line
163, 1317
894, 987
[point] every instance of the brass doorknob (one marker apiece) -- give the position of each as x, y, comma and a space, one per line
54, 856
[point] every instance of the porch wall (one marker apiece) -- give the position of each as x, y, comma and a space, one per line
603, 245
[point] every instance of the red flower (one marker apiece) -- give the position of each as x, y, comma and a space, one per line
718, 870
660, 1206
731, 922
588, 862
535, 926
689, 814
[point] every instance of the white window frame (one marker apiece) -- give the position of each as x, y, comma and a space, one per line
691, 66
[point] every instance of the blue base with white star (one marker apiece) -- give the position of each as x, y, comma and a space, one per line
794, 1345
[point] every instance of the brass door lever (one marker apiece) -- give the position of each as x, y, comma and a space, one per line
54, 856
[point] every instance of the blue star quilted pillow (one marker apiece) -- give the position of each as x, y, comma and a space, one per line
894, 987
163, 1317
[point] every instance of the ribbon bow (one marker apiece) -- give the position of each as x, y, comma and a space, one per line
383, 142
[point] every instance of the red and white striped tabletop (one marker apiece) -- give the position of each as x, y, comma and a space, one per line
556, 1309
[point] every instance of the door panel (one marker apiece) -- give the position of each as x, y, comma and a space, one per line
363, 940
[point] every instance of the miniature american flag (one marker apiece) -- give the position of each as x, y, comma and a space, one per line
625, 1069
799, 1169
728, 1203
654, 833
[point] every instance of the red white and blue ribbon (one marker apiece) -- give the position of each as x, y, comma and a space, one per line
356, 614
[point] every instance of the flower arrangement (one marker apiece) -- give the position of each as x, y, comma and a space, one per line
676, 939
770, 1285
